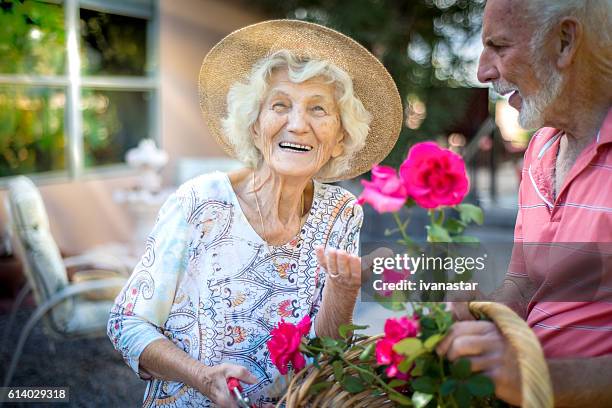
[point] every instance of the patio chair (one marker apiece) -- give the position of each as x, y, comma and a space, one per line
66, 309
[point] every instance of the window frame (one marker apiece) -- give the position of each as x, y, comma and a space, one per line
73, 83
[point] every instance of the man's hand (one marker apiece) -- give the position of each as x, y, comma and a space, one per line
489, 352
212, 382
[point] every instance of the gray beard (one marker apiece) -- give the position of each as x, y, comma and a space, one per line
531, 115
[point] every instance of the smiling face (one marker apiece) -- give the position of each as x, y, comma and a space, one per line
509, 63
299, 128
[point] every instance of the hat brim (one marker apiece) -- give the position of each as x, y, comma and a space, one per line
232, 60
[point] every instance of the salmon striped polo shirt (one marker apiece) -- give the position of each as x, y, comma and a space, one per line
581, 213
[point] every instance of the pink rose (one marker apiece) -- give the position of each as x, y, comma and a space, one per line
434, 176
284, 346
386, 192
395, 331
392, 276
399, 329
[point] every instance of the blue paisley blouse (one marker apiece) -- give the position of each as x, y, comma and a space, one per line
208, 282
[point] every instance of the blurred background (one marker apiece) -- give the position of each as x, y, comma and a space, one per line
85, 82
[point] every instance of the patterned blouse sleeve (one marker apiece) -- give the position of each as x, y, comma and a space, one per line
349, 241
143, 305
345, 237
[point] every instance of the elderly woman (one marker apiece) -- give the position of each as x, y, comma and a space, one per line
232, 255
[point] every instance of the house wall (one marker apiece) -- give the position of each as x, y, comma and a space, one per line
82, 213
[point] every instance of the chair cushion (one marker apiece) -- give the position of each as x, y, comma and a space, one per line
89, 318
97, 274
40, 255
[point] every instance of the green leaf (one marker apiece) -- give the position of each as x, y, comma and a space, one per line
314, 389
436, 233
467, 239
469, 213
432, 341
419, 367
344, 329
329, 342
367, 377
461, 369
409, 346
367, 352
424, 384
420, 399
454, 226
352, 384
405, 365
448, 387
397, 383
338, 370
462, 396
480, 386
400, 399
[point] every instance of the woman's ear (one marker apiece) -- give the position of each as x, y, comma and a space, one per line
256, 132
570, 35
339, 147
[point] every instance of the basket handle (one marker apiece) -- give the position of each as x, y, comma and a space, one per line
535, 378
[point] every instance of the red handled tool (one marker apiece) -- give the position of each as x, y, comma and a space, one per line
233, 384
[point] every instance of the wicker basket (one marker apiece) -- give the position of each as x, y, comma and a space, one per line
535, 379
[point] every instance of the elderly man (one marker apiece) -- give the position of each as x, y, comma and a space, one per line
554, 58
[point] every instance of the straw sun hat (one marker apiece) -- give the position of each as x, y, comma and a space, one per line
232, 59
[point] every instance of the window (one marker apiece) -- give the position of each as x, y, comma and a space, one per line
78, 83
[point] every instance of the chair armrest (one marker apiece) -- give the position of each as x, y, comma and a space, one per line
76, 289
98, 261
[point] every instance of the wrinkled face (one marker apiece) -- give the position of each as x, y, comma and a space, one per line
508, 62
299, 129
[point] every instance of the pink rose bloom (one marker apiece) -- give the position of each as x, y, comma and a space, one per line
284, 346
392, 276
434, 176
395, 331
386, 192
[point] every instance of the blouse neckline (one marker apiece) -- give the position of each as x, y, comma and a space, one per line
295, 239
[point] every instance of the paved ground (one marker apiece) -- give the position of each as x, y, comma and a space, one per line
93, 370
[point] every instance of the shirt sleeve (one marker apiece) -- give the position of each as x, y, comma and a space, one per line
345, 237
142, 307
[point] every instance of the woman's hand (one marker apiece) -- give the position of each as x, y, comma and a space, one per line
212, 382
343, 269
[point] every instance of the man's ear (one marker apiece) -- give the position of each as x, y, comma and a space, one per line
339, 147
570, 36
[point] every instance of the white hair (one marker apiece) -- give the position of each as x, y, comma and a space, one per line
595, 16
244, 101
596, 19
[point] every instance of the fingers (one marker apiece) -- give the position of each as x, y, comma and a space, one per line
342, 268
240, 373
367, 261
460, 311
320, 252
332, 263
355, 266
342, 262
484, 363
468, 346
469, 328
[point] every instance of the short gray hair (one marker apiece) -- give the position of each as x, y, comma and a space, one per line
244, 101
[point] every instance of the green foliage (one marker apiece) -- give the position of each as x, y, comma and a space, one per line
470, 213
433, 381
